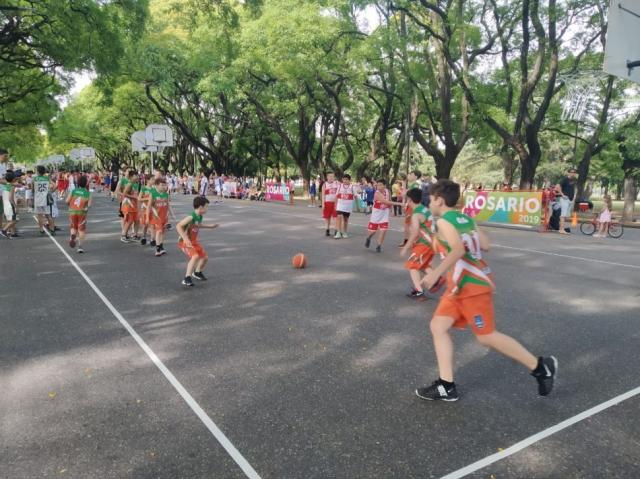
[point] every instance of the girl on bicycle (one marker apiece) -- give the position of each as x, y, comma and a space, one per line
604, 220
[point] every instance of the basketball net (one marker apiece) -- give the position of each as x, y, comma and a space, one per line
582, 93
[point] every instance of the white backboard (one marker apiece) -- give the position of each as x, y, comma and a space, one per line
87, 153
159, 135
138, 141
56, 159
623, 39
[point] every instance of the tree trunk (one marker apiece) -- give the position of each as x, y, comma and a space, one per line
629, 198
509, 163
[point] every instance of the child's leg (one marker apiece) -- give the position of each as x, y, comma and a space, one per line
193, 261
383, 233
443, 345
81, 236
416, 279
345, 224
509, 347
202, 262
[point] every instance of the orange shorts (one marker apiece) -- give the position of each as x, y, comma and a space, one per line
421, 256
475, 311
158, 223
195, 250
78, 222
130, 216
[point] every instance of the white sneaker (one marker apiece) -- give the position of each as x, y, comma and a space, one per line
345, 235
337, 235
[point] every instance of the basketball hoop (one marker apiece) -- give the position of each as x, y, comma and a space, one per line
582, 89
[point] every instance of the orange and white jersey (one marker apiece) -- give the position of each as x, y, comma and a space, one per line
344, 195
331, 190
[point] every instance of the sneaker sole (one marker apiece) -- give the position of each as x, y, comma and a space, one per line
431, 399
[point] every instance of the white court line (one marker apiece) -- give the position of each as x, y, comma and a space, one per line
579, 258
482, 463
191, 402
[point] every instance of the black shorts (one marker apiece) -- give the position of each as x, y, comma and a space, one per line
113, 187
369, 203
344, 213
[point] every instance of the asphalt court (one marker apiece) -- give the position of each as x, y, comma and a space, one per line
308, 373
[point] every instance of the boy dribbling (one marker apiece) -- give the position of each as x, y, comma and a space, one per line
188, 230
158, 211
468, 299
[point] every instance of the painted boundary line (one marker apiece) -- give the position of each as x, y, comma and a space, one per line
519, 446
191, 402
494, 245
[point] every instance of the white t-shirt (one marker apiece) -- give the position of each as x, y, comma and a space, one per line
204, 186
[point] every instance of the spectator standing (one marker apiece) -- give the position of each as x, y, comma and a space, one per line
567, 188
313, 191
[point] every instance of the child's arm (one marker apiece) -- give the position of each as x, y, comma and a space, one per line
414, 232
458, 251
380, 198
90, 202
210, 226
485, 243
182, 232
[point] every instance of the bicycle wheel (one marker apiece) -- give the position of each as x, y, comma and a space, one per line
615, 230
588, 228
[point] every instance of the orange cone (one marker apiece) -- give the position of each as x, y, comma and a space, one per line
574, 219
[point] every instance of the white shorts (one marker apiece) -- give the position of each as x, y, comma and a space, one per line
43, 210
9, 212
565, 207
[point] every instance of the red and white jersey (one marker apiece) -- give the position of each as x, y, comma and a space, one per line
345, 196
331, 190
380, 211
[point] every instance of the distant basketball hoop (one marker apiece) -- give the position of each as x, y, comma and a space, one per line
581, 93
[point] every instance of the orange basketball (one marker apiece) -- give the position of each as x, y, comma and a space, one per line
299, 261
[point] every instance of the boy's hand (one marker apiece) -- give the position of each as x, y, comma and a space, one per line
187, 243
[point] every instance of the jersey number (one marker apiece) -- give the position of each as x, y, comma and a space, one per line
472, 245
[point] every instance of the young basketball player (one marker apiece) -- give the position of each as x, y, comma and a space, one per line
129, 196
421, 244
468, 300
79, 201
188, 231
329, 192
143, 201
159, 208
413, 181
379, 220
344, 197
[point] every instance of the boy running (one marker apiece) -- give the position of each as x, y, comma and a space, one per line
468, 300
413, 181
158, 211
188, 231
329, 192
79, 201
344, 195
379, 220
421, 244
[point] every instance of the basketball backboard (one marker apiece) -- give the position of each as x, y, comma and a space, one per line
138, 141
159, 135
622, 53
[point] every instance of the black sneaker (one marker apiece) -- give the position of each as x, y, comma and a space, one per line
545, 374
152, 243
187, 281
143, 241
438, 392
327, 233
4, 234
72, 241
80, 250
125, 239
417, 295
367, 242
403, 244
378, 249
199, 275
